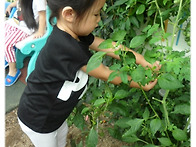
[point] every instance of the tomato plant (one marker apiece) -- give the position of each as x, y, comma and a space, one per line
160, 117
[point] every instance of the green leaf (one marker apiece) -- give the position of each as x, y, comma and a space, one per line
184, 98
168, 82
182, 109
85, 110
130, 139
150, 12
138, 74
92, 138
146, 28
130, 58
140, 18
128, 24
124, 78
150, 145
169, 48
115, 67
135, 125
177, 69
165, 1
124, 69
165, 141
120, 94
148, 73
179, 135
122, 123
112, 76
167, 35
106, 44
95, 61
154, 40
174, 66
96, 92
153, 29
137, 41
119, 35
120, 2
165, 13
119, 109
134, 21
99, 102
146, 114
140, 9
155, 125
79, 121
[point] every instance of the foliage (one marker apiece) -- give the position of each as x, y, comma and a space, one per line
160, 117
10, 1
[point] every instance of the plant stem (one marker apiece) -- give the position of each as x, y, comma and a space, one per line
155, 17
176, 23
149, 101
157, 99
165, 109
143, 141
108, 100
158, 8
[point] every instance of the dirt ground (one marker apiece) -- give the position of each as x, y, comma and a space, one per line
14, 137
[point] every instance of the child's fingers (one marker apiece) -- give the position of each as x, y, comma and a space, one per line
153, 83
150, 85
157, 64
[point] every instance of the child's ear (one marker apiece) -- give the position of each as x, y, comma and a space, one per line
68, 14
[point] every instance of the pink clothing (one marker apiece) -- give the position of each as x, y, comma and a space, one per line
17, 32
12, 36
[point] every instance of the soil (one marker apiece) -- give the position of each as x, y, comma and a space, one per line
14, 137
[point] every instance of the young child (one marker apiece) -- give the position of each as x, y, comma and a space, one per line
60, 79
24, 24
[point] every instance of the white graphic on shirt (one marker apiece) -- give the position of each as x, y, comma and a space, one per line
69, 86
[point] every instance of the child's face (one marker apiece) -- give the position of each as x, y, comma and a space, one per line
90, 21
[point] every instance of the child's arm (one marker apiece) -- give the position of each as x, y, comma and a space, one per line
110, 52
42, 25
10, 6
103, 73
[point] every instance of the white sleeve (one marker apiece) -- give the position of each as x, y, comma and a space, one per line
38, 5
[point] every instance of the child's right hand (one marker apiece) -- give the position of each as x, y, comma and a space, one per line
150, 85
8, 10
157, 65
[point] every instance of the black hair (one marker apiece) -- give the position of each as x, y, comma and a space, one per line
79, 6
27, 13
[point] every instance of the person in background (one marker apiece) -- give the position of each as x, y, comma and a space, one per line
29, 18
59, 79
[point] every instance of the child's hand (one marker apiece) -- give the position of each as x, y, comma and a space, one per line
157, 65
38, 35
150, 85
8, 10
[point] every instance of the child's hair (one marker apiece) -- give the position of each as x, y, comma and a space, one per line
27, 13
79, 6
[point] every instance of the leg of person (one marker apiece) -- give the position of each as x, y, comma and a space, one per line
62, 135
12, 36
40, 139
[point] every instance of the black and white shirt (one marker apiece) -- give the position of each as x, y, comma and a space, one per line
57, 83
